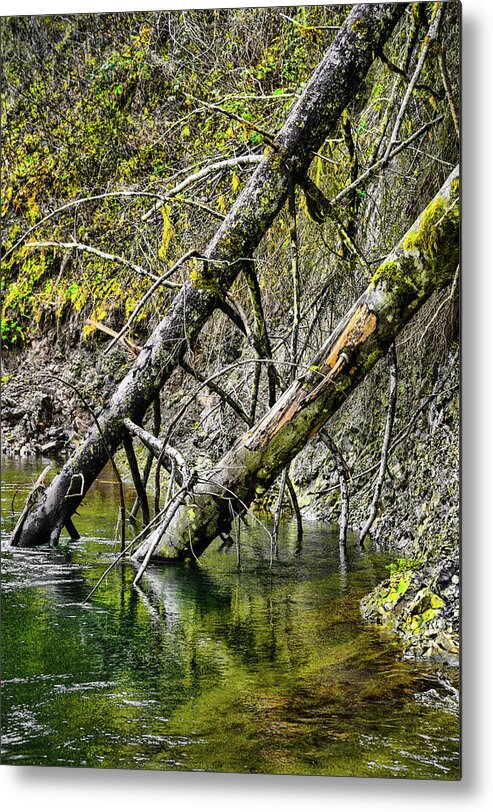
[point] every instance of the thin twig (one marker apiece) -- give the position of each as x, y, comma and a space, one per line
295, 276
212, 377
77, 202
269, 138
430, 37
160, 281
382, 162
211, 481
157, 446
419, 85
448, 90
343, 475
122, 553
385, 445
171, 510
453, 289
91, 250
202, 173
105, 444
310, 27
261, 336
218, 390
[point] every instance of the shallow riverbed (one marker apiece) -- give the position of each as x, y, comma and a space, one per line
270, 669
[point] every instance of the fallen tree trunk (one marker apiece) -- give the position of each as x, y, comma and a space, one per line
333, 84
424, 261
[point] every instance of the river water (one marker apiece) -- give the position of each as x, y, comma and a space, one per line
270, 669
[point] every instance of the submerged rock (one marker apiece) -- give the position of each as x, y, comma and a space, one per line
419, 602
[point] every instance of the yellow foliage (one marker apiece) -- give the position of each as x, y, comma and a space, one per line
235, 182
168, 232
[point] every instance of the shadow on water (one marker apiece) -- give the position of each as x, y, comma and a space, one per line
270, 669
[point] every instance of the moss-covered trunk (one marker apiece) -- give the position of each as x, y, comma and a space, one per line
424, 261
333, 84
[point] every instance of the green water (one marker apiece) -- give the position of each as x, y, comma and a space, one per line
203, 668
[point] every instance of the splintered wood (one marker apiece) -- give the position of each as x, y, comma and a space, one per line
357, 331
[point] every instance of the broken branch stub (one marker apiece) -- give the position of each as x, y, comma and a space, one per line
332, 86
424, 261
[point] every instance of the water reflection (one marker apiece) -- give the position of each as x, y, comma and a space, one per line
342, 567
270, 669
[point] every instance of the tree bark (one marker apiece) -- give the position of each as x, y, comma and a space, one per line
332, 86
424, 261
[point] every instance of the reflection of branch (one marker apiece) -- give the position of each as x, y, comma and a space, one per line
285, 482
296, 507
123, 552
150, 456
175, 502
137, 479
343, 474
277, 514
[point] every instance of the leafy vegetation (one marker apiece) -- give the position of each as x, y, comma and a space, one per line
128, 137
110, 103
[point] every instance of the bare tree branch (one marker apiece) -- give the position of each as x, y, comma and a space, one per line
111, 257
202, 173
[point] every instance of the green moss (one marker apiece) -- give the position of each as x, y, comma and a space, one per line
399, 277
437, 229
360, 27
424, 238
427, 257
275, 158
93, 119
203, 280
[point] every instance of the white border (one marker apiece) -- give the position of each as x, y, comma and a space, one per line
81, 790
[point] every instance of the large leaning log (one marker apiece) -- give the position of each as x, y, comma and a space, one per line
332, 86
424, 261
